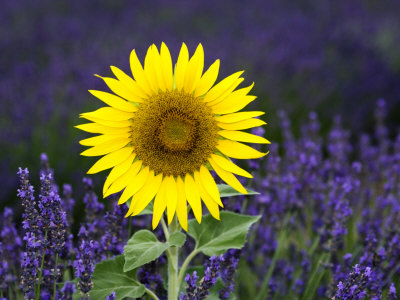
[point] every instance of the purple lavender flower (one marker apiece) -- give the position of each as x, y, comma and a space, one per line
67, 291
45, 166
356, 283
33, 234
68, 202
150, 276
3, 270
83, 264
31, 218
229, 264
210, 277
392, 292
111, 296
11, 245
29, 265
191, 285
93, 211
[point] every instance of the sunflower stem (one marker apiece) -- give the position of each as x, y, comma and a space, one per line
165, 229
173, 288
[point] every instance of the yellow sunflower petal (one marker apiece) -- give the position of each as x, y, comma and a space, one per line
209, 184
117, 171
193, 196
172, 197
241, 136
108, 123
110, 160
180, 68
109, 113
241, 125
98, 128
238, 150
207, 80
229, 166
114, 101
194, 70
122, 181
158, 69
139, 196
181, 205
237, 95
240, 116
141, 199
166, 65
160, 203
100, 139
211, 205
107, 147
131, 84
152, 65
138, 73
221, 87
228, 177
136, 184
119, 88
233, 103
227, 93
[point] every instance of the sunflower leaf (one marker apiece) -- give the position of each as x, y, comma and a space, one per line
144, 247
215, 237
228, 191
109, 277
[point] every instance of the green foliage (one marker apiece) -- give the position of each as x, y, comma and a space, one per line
213, 295
215, 237
317, 273
228, 191
144, 247
109, 276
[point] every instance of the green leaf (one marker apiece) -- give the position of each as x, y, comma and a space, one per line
215, 237
177, 239
109, 277
228, 191
144, 247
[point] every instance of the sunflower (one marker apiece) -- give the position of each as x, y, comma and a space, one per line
165, 129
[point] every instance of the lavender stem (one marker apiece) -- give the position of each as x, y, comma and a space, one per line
37, 295
55, 277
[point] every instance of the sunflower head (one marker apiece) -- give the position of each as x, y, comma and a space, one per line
164, 129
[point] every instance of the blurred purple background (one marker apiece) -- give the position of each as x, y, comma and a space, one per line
333, 57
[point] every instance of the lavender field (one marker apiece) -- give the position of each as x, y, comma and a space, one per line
323, 220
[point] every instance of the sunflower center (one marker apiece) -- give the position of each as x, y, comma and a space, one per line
174, 133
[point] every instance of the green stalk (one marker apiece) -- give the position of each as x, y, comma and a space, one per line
165, 229
263, 293
37, 292
55, 277
173, 288
265, 284
316, 276
152, 294
185, 265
